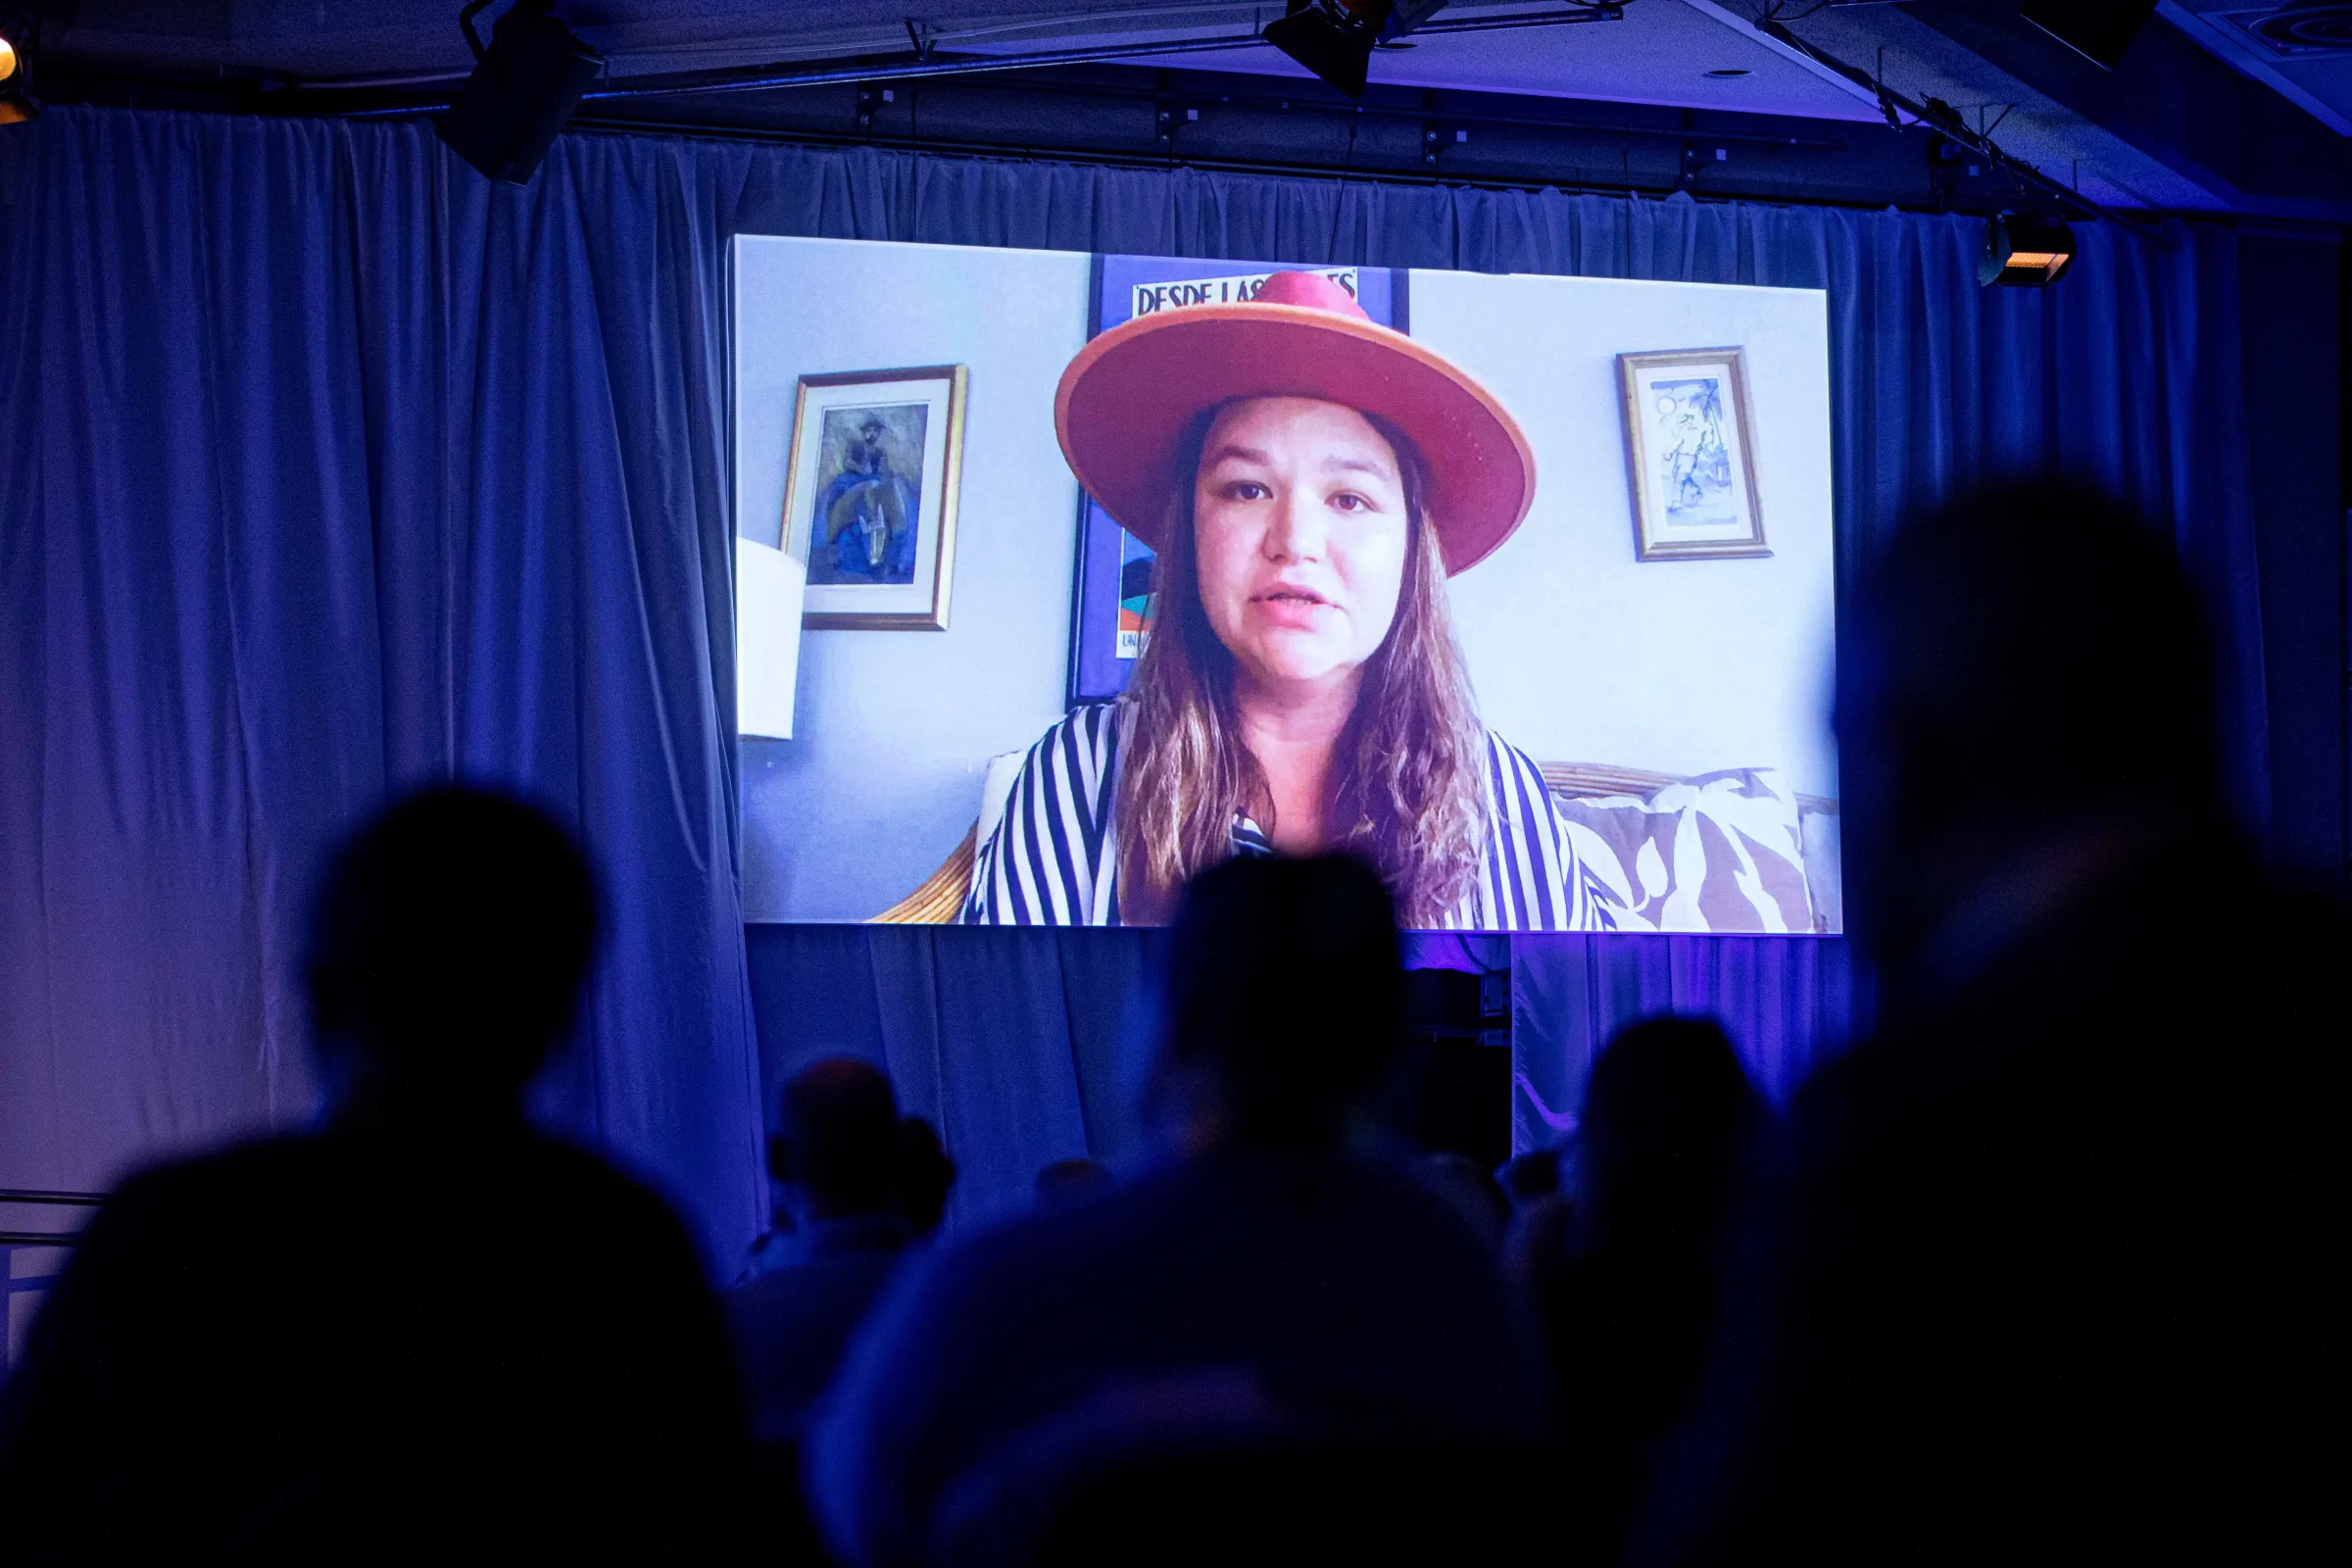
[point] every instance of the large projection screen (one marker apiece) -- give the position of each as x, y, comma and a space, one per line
1615, 496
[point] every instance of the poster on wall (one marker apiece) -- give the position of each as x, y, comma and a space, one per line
1465, 573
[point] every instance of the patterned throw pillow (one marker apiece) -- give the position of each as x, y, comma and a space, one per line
1735, 851
1721, 852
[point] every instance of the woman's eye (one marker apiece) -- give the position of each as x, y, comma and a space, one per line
1350, 501
1246, 490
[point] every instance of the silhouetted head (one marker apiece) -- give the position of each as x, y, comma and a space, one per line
447, 947
1285, 1002
1531, 1177
1666, 1113
2028, 662
1072, 1181
926, 1175
837, 1141
1470, 1189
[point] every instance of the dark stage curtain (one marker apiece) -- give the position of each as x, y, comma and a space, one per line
330, 469
1024, 1046
326, 466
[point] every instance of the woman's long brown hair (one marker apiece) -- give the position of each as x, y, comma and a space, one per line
1412, 763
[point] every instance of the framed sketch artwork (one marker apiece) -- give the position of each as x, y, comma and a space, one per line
1691, 455
870, 493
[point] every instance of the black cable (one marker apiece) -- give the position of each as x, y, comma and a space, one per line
1778, 13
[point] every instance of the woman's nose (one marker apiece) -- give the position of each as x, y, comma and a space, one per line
1296, 532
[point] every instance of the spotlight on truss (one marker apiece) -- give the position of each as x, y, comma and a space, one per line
16, 96
525, 86
1334, 38
2022, 251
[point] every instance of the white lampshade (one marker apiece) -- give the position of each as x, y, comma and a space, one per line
769, 588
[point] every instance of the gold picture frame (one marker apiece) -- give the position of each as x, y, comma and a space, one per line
1690, 455
871, 491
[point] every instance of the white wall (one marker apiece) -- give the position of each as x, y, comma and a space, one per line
1581, 653
893, 730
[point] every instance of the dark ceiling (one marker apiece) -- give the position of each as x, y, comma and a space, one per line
2209, 110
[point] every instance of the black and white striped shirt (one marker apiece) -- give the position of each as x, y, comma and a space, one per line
1053, 857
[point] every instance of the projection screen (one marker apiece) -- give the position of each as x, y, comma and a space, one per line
1062, 575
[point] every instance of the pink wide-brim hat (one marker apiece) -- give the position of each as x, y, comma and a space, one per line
1126, 400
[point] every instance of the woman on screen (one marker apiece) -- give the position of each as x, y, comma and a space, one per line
1309, 481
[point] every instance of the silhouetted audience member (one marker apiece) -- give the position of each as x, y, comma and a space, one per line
1531, 1178
1470, 1189
926, 1176
837, 1153
1535, 1240
1264, 1281
1669, 1124
2051, 1278
425, 1330
1072, 1181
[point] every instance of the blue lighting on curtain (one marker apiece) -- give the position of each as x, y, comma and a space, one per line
327, 466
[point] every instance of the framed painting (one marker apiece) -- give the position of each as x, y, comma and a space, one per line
1110, 616
870, 493
1691, 455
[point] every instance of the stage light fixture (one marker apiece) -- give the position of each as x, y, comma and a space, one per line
523, 88
16, 97
2022, 251
1335, 38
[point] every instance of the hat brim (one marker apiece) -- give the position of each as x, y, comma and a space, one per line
1126, 400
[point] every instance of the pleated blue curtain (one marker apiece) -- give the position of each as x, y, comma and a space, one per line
1020, 1047
326, 467
331, 469
1024, 1046
1787, 1004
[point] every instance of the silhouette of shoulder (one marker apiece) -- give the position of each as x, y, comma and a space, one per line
2109, 1153
1344, 1291
278, 1341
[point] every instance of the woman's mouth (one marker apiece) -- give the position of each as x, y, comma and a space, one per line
1289, 606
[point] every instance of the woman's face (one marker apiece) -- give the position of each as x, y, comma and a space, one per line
1300, 533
